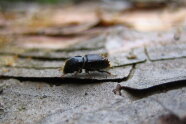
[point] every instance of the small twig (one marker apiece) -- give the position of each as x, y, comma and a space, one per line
150, 90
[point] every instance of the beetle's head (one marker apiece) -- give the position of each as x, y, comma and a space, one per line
72, 65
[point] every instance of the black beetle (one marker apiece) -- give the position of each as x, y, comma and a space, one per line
90, 62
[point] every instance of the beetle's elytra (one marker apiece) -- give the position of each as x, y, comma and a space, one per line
90, 62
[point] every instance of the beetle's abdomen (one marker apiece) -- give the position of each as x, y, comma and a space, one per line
95, 61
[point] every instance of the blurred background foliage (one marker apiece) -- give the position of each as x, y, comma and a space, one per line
44, 1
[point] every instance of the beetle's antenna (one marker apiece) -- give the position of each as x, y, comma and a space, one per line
110, 65
104, 55
61, 69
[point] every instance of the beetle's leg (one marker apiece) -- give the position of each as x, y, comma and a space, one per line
104, 72
87, 71
79, 71
76, 73
62, 75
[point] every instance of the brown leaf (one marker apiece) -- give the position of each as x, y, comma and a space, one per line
143, 20
48, 42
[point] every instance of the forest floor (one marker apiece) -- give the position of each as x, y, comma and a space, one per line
146, 48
